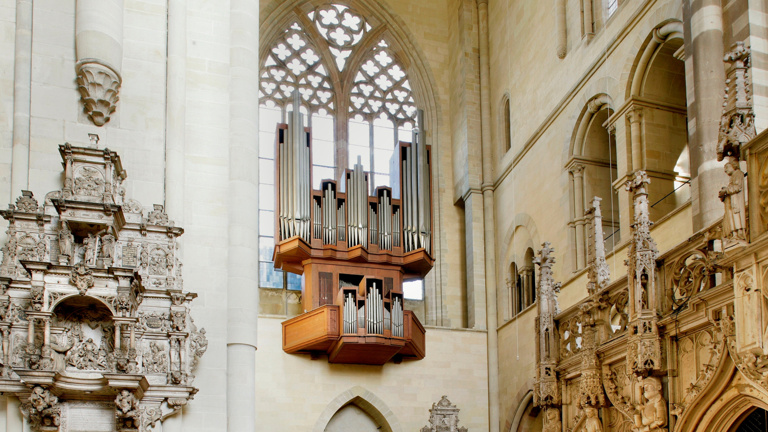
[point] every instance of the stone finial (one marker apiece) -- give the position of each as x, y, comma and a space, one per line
546, 391
597, 268
737, 124
99, 86
27, 202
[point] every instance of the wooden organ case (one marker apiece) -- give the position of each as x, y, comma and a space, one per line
354, 250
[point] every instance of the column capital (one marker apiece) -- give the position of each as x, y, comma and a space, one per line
577, 170
635, 113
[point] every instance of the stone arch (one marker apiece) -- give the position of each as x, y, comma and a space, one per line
526, 222
367, 402
524, 414
722, 402
656, 115
99, 300
592, 169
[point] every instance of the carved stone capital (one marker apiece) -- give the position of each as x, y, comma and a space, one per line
577, 170
99, 86
635, 114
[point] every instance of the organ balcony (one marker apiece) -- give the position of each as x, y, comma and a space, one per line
354, 249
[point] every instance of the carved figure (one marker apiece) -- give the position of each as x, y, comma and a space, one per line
155, 361
41, 249
198, 344
90, 244
732, 196
592, 423
127, 410
652, 415
178, 319
43, 408
66, 241
107, 247
552, 421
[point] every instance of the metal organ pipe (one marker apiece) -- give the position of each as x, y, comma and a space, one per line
295, 182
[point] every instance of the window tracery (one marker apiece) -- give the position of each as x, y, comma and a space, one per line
355, 94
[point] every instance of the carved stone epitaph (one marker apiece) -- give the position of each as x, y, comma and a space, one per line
443, 417
89, 321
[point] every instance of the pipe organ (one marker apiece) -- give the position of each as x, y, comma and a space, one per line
354, 245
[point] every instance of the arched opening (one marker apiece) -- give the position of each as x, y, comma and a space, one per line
658, 119
531, 420
755, 420
357, 409
353, 418
592, 170
523, 282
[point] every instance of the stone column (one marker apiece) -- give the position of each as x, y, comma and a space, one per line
578, 209
22, 80
562, 33
704, 53
475, 260
175, 112
635, 116
99, 46
243, 236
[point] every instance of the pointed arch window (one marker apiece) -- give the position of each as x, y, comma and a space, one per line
355, 94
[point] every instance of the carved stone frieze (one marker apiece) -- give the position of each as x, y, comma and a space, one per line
443, 417
99, 87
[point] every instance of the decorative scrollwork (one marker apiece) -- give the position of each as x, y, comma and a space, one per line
691, 274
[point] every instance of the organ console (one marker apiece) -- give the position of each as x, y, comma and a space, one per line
354, 249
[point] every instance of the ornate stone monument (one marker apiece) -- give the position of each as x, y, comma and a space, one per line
94, 321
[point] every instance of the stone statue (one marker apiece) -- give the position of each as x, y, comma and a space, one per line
90, 244
592, 423
732, 196
552, 421
652, 415
66, 241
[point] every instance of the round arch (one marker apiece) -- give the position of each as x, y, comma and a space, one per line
364, 400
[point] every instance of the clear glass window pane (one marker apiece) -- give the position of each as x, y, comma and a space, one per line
359, 133
405, 133
266, 223
266, 248
364, 153
266, 171
269, 277
413, 289
322, 127
294, 281
269, 118
267, 145
321, 173
266, 197
383, 134
323, 153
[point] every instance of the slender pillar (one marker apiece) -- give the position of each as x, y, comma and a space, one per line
243, 251
562, 34
22, 81
635, 115
704, 51
588, 28
175, 112
578, 202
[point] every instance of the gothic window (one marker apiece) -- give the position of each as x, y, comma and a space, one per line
523, 283
354, 93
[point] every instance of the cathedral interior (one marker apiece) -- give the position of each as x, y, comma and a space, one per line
384, 215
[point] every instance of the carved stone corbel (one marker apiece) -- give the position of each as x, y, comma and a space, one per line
44, 410
99, 86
